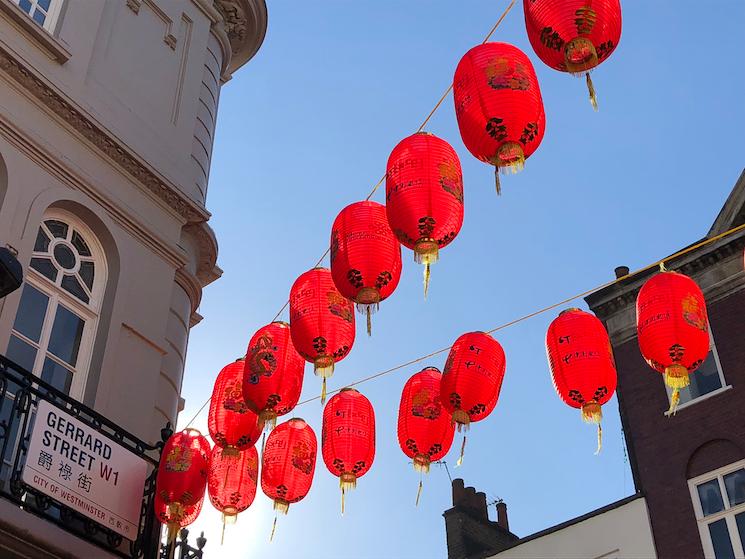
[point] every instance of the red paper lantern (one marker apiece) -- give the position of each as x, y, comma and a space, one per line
273, 373
425, 432
232, 426
321, 321
472, 378
231, 483
365, 256
673, 328
182, 475
581, 362
424, 196
288, 463
573, 35
186, 516
348, 438
498, 106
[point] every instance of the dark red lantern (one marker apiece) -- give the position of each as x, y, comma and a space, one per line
472, 378
425, 432
232, 426
498, 105
273, 373
365, 256
182, 475
673, 328
573, 35
321, 322
288, 463
348, 438
424, 196
581, 362
231, 483
187, 515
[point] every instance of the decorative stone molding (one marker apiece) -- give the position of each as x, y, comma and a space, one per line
103, 140
245, 23
191, 286
204, 237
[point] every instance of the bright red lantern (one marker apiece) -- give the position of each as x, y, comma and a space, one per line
182, 475
348, 438
498, 105
288, 463
231, 483
573, 35
581, 362
365, 256
425, 432
673, 328
472, 378
321, 321
273, 373
232, 426
424, 196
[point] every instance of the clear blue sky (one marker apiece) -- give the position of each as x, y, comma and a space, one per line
306, 128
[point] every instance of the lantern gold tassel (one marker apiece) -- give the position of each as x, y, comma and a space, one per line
462, 419
427, 252
496, 181
175, 512
342, 501
172, 531
676, 377
274, 528
592, 412
368, 301
323, 391
347, 481
426, 279
462, 452
418, 493
591, 91
369, 322
509, 159
600, 439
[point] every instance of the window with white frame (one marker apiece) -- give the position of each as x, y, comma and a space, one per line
43, 12
706, 379
719, 503
56, 321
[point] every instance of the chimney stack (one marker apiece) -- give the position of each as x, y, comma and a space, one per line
621, 271
502, 515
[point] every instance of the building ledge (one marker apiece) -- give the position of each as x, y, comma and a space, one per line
695, 401
40, 36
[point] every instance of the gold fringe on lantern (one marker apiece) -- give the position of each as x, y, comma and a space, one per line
274, 528
368, 302
462, 419
427, 252
591, 91
421, 463
323, 366
280, 505
175, 512
676, 377
229, 516
462, 452
593, 413
323, 391
268, 418
509, 159
347, 481
230, 452
580, 56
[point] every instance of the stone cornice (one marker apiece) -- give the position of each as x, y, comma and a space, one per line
245, 23
98, 136
204, 236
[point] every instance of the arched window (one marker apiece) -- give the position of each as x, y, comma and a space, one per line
57, 316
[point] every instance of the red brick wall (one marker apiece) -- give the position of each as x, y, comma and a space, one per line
663, 447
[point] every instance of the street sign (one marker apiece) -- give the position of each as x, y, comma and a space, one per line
85, 470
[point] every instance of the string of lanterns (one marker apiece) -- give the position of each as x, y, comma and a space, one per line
501, 119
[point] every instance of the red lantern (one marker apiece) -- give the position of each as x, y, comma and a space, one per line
182, 475
321, 322
231, 483
498, 106
288, 463
273, 373
186, 516
472, 378
673, 328
581, 362
348, 438
573, 35
232, 425
425, 432
424, 196
365, 256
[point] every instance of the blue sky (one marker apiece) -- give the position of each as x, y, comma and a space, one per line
306, 128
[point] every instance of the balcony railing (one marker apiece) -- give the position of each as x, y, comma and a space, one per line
20, 395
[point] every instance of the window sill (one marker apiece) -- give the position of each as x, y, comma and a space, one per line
701, 398
38, 34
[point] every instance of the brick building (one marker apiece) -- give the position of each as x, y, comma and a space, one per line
689, 468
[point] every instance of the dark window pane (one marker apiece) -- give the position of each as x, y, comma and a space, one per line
42, 242
56, 375
31, 312
21, 352
80, 244
45, 267
39, 17
57, 228
740, 519
25, 6
64, 256
7, 415
720, 540
735, 484
706, 378
711, 497
67, 331
71, 284
86, 273
44, 4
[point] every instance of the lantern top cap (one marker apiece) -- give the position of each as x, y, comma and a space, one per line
430, 368
241, 358
281, 323
570, 309
319, 268
192, 432
348, 389
300, 419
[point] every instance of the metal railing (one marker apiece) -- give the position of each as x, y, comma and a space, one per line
185, 551
20, 394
